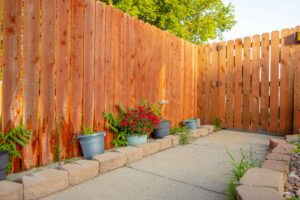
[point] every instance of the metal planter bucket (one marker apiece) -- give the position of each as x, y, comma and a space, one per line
92, 145
4, 158
134, 140
162, 130
192, 123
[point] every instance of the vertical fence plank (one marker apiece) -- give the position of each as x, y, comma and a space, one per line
11, 68
296, 61
199, 82
109, 66
286, 78
221, 82
255, 82
229, 85
76, 75
246, 84
99, 98
134, 60
31, 80
265, 82
126, 60
213, 84
47, 99
274, 82
206, 86
89, 63
238, 84
62, 77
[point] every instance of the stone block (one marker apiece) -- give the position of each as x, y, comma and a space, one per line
174, 139
280, 166
81, 171
284, 149
292, 138
150, 148
132, 153
211, 128
44, 183
165, 143
110, 161
257, 193
264, 178
11, 191
279, 157
200, 132
275, 141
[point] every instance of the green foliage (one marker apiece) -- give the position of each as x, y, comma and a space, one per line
297, 150
194, 20
155, 107
183, 138
57, 151
294, 198
87, 130
239, 168
217, 124
9, 141
179, 129
113, 124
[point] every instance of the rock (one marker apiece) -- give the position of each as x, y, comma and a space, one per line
276, 165
292, 138
44, 183
293, 175
81, 171
200, 132
132, 153
275, 141
165, 143
257, 193
279, 157
288, 195
288, 186
174, 139
11, 190
264, 178
210, 128
150, 148
284, 149
110, 161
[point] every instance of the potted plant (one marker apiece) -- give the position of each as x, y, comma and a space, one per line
91, 143
164, 126
192, 123
8, 148
138, 123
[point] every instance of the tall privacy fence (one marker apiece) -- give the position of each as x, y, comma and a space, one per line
66, 62
252, 83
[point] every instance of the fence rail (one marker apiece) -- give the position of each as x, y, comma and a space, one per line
66, 62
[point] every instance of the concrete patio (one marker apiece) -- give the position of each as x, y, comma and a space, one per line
195, 171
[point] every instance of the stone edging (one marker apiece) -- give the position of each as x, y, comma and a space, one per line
268, 182
48, 181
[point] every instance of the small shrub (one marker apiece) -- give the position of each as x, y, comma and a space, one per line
239, 168
87, 130
179, 129
183, 138
217, 124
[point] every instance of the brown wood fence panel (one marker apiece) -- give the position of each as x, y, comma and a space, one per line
296, 61
92, 57
62, 77
31, 80
261, 86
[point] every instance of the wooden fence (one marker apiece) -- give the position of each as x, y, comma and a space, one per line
66, 62
252, 83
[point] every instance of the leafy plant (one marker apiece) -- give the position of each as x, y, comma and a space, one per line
155, 108
179, 129
87, 130
57, 151
113, 124
217, 124
183, 138
9, 141
239, 168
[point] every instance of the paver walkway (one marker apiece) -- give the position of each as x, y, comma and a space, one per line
195, 171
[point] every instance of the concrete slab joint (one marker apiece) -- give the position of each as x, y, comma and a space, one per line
44, 183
